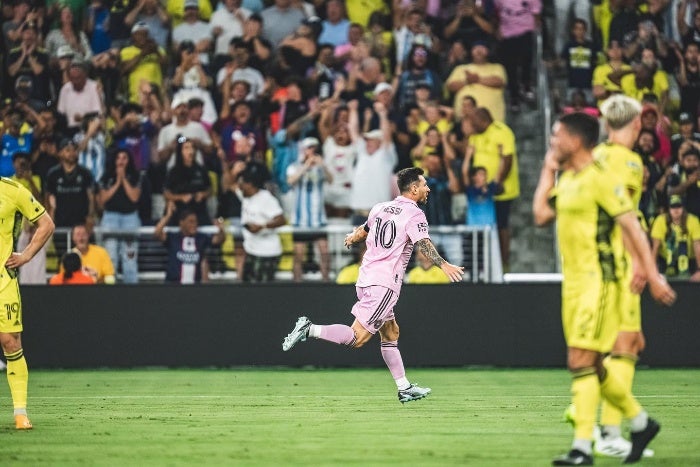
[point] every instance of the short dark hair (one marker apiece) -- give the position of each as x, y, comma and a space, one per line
71, 263
583, 126
185, 213
477, 168
407, 177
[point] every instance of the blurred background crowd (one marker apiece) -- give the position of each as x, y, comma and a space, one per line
253, 114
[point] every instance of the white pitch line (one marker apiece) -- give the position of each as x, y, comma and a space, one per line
239, 396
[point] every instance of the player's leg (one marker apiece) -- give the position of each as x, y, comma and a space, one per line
325, 260
389, 333
17, 376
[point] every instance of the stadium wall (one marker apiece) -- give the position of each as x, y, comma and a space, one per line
513, 325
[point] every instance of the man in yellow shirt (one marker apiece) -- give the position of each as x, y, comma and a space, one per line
594, 214
607, 77
648, 78
481, 79
493, 146
96, 261
143, 61
14, 200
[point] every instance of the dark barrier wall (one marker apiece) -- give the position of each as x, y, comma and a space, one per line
224, 325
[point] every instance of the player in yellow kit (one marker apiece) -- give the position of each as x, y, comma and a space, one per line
594, 216
622, 120
17, 202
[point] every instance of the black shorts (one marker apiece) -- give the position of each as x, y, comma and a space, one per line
503, 214
308, 237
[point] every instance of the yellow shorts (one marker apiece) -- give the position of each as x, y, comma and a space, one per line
10, 308
590, 314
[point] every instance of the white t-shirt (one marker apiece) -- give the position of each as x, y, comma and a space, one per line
230, 25
372, 179
192, 130
194, 32
340, 161
260, 209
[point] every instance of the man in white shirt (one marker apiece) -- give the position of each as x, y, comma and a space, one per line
227, 23
182, 126
79, 96
193, 29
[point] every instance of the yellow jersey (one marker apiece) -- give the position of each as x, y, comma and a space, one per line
16, 202
433, 275
590, 241
488, 146
600, 78
658, 87
676, 244
626, 164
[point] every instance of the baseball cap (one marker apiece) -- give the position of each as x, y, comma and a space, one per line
65, 51
381, 87
676, 201
177, 101
65, 142
139, 26
684, 117
309, 142
191, 4
374, 134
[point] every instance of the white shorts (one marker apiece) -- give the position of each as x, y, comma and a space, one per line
375, 306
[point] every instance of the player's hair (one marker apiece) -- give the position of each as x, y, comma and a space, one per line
583, 126
619, 110
407, 177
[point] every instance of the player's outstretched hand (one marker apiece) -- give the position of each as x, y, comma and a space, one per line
455, 273
661, 291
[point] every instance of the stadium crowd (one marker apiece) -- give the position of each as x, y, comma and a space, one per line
122, 113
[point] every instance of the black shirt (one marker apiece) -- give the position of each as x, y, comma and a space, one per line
181, 180
41, 88
120, 202
71, 191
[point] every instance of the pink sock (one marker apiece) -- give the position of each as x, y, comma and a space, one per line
393, 360
338, 333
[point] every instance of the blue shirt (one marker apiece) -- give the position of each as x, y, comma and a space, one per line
336, 34
481, 208
10, 146
185, 255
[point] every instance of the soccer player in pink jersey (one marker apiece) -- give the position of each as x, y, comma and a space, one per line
391, 232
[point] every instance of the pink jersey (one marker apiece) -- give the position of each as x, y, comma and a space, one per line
394, 227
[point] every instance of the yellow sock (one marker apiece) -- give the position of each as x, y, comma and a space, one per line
585, 396
622, 365
17, 377
618, 392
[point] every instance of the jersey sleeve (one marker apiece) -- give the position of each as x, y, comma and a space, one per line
694, 228
417, 228
658, 228
28, 205
611, 194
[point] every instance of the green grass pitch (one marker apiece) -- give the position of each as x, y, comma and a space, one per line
243, 417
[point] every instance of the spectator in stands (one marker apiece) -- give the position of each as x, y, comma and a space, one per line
44, 157
579, 103
336, 25
152, 14
365, 78
481, 79
187, 183
29, 59
307, 177
98, 26
92, 152
562, 17
34, 271
142, 61
79, 96
481, 207
95, 259
685, 180
686, 132
226, 24
12, 28
280, 20
191, 83
177, 10
580, 56
261, 213
120, 190
471, 23
237, 69
411, 29
68, 32
71, 272
607, 76
133, 131
688, 78
494, 149
187, 263
240, 139
647, 146
416, 72
622, 19
517, 22
13, 141
676, 242
647, 36
354, 51
340, 155
426, 272
647, 78
654, 120
260, 48
70, 189
182, 126
59, 70
690, 33
195, 30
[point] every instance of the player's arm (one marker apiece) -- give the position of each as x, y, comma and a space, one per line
44, 230
542, 210
642, 261
425, 246
356, 236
